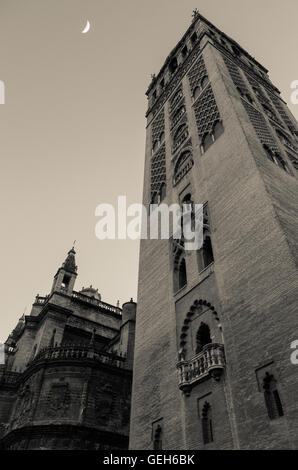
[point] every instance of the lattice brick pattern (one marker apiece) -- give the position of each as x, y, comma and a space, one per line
235, 74
176, 99
177, 114
260, 126
206, 111
264, 100
291, 126
158, 126
158, 169
196, 74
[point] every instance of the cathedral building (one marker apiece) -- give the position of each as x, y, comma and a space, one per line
66, 382
214, 328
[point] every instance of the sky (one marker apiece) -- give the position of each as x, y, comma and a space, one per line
72, 129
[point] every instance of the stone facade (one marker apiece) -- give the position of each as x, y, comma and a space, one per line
212, 365
66, 383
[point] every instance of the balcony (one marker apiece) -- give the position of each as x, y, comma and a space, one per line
209, 362
41, 300
78, 352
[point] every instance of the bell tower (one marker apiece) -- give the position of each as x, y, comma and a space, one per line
65, 277
214, 326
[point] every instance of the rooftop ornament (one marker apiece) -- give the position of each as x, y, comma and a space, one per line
195, 14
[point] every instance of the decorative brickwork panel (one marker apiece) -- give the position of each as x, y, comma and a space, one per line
206, 112
279, 107
158, 127
264, 100
180, 135
294, 160
176, 99
177, 114
183, 165
197, 74
158, 170
260, 126
235, 74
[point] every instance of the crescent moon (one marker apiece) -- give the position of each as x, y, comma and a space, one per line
87, 27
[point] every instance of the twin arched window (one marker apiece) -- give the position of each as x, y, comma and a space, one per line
210, 137
158, 196
276, 158
197, 91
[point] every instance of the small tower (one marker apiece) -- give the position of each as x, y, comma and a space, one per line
66, 275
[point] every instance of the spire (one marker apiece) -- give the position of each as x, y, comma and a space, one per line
65, 277
70, 262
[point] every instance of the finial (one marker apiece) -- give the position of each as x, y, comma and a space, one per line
195, 13
118, 303
153, 76
131, 299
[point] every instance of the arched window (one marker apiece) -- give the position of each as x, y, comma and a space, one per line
207, 428
205, 254
179, 132
217, 129
207, 251
269, 153
157, 441
180, 279
281, 163
271, 395
236, 51
155, 145
207, 141
283, 138
240, 91
173, 65
209, 138
183, 165
204, 81
182, 158
182, 274
154, 198
203, 337
162, 192
180, 135
161, 137
177, 115
196, 92
194, 37
249, 98
176, 99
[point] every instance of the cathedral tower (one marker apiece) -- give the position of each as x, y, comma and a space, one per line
66, 380
212, 365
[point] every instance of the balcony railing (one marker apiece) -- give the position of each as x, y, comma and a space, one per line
96, 302
41, 300
209, 362
78, 352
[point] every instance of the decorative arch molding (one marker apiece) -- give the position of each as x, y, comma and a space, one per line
197, 305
